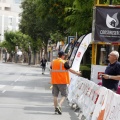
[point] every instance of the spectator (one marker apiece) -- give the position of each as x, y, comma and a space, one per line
111, 77
60, 79
43, 64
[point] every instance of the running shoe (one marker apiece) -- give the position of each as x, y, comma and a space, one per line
56, 111
59, 110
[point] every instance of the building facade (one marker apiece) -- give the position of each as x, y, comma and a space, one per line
9, 16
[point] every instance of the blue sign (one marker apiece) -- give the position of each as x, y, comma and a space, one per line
70, 38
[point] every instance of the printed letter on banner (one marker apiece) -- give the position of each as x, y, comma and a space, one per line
100, 104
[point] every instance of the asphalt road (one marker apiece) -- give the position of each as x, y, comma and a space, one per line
25, 94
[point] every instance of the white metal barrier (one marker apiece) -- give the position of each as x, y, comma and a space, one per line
95, 102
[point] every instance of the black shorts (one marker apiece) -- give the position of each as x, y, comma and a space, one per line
59, 88
43, 67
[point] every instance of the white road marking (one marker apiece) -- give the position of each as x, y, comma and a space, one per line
44, 77
18, 87
21, 76
18, 79
3, 91
2, 86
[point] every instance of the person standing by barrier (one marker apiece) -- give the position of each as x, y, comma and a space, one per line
111, 77
59, 79
43, 64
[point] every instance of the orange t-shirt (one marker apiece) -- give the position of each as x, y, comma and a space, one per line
59, 75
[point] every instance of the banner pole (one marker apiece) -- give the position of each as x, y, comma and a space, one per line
94, 53
97, 2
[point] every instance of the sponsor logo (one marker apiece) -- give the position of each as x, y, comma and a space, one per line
112, 22
79, 53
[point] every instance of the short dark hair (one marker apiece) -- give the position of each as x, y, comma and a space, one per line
61, 53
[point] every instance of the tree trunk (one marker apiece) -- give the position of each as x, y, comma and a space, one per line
46, 56
34, 59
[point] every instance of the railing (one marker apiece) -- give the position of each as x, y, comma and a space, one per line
94, 102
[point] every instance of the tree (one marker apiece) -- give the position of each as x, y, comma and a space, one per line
33, 25
55, 37
13, 39
114, 2
17, 38
28, 23
80, 16
40, 19
53, 13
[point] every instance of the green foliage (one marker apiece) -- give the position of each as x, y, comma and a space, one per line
86, 71
80, 17
7, 45
52, 13
0, 44
36, 22
55, 37
28, 21
42, 19
13, 39
85, 67
114, 2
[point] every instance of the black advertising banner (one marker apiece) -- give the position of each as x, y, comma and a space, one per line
107, 24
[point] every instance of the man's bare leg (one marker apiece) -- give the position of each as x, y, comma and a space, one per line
61, 101
55, 102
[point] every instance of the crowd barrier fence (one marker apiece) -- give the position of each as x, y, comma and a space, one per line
95, 102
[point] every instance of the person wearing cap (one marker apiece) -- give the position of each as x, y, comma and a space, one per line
59, 79
111, 77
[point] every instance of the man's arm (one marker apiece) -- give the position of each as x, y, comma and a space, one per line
105, 76
75, 72
66, 65
113, 77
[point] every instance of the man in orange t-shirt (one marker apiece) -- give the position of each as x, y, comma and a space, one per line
59, 79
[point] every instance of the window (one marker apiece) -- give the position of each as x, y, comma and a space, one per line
10, 21
18, 20
7, 8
